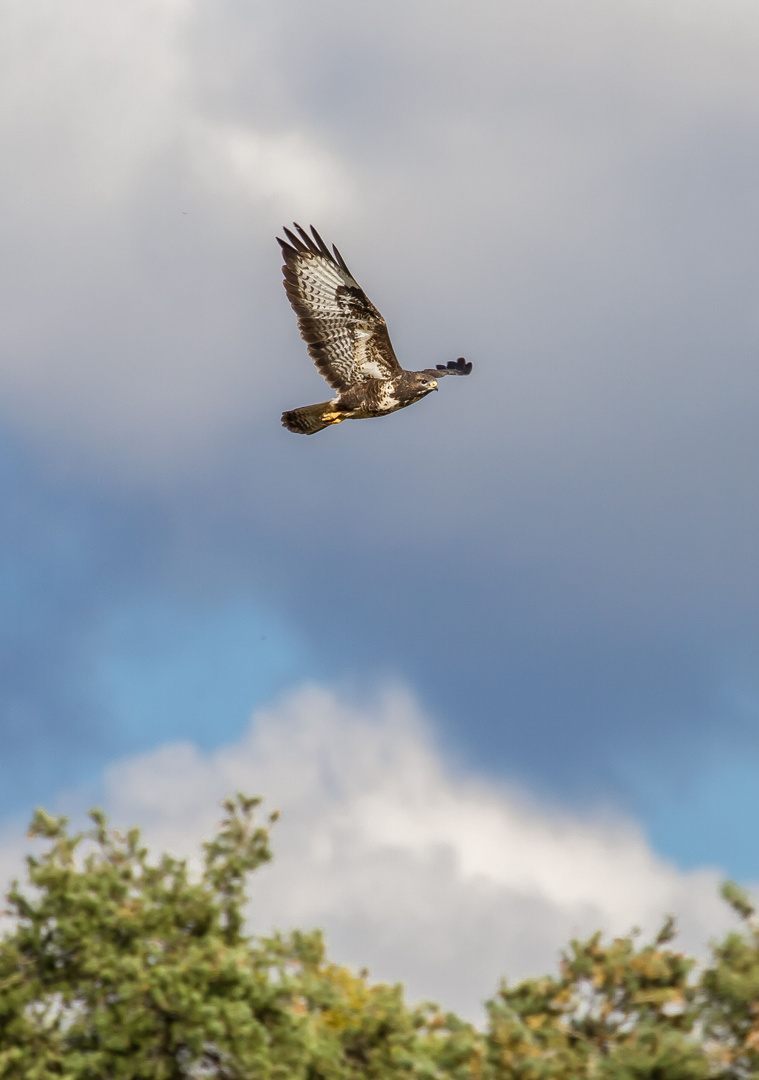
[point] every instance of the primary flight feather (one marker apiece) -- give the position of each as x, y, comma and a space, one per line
347, 339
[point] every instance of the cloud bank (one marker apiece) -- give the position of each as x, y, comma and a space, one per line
414, 867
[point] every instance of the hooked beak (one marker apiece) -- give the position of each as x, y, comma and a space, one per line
435, 385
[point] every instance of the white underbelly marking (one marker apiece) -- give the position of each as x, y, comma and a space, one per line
370, 369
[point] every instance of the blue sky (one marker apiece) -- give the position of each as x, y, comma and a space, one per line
556, 557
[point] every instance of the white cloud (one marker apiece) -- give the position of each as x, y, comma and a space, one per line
413, 867
94, 92
131, 227
284, 168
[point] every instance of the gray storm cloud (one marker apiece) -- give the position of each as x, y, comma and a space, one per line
544, 187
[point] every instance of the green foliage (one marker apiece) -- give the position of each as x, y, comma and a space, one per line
731, 993
118, 966
615, 1010
121, 968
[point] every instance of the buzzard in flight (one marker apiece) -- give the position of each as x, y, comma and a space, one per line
347, 339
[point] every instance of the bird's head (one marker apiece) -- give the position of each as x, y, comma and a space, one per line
426, 381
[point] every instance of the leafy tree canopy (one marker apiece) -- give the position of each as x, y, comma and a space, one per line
119, 966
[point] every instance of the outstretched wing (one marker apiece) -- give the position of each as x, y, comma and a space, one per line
346, 335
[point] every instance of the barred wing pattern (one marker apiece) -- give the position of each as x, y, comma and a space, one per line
346, 336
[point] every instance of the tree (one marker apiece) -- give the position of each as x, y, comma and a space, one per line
122, 968
731, 992
119, 966
615, 1011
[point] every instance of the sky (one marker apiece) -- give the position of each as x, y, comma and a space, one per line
501, 647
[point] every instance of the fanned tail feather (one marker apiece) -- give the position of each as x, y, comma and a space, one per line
309, 419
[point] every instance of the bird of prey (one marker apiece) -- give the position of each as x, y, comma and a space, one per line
347, 339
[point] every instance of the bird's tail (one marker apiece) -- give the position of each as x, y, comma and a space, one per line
312, 418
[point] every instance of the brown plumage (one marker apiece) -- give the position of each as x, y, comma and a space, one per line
347, 339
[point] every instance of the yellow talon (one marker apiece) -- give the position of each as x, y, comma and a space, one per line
333, 418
